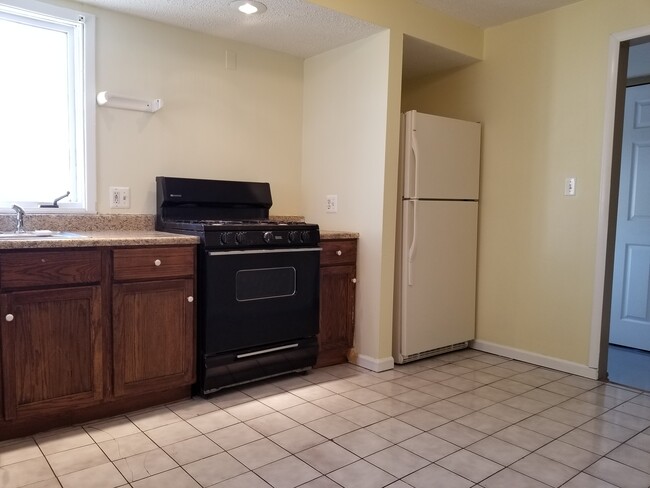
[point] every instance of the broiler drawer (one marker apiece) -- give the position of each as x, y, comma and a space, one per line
343, 251
145, 263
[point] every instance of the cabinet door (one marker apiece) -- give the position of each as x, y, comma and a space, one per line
51, 350
337, 294
153, 335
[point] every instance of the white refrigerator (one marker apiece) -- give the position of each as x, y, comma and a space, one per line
435, 293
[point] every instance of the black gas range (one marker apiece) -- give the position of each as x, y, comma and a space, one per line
258, 279
226, 214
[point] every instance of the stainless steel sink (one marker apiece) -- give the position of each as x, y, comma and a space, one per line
40, 234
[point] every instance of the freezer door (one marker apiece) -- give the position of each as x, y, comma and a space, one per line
441, 157
438, 282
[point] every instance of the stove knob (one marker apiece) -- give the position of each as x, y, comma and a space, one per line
305, 235
294, 236
226, 237
268, 237
240, 237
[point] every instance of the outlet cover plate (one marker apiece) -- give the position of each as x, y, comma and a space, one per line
331, 204
120, 197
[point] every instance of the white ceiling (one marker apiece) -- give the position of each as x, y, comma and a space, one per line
295, 27
302, 29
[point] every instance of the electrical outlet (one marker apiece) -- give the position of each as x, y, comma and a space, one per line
331, 205
120, 196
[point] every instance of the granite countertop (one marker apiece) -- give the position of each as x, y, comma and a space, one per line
113, 238
117, 238
113, 230
327, 235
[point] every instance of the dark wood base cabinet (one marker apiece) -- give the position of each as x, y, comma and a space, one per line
87, 333
337, 297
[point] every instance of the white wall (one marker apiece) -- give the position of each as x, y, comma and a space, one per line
344, 153
242, 124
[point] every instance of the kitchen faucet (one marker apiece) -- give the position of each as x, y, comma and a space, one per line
20, 217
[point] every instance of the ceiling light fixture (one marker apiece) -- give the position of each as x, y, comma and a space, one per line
249, 7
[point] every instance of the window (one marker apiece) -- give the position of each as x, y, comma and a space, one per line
47, 106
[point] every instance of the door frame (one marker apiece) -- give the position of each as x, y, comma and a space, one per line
608, 199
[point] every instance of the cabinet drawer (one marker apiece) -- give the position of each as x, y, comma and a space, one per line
152, 263
338, 252
44, 268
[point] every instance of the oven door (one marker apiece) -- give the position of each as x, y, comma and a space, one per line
258, 297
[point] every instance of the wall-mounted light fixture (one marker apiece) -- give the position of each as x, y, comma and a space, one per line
117, 101
249, 7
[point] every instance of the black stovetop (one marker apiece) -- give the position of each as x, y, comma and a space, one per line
226, 235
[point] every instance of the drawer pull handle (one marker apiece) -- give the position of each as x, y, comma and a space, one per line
190, 299
354, 280
9, 317
339, 252
157, 262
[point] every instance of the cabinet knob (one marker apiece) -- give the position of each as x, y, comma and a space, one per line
9, 317
354, 280
190, 299
339, 252
157, 262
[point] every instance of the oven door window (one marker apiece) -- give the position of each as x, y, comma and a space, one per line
254, 298
265, 283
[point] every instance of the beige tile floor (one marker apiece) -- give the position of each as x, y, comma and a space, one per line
465, 419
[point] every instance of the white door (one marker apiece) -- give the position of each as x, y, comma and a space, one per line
438, 283
630, 316
442, 159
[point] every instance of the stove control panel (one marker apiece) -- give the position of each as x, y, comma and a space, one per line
227, 239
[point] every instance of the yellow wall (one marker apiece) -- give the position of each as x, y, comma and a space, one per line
344, 153
540, 94
375, 306
407, 16
242, 124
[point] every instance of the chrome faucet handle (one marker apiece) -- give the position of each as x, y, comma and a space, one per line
20, 218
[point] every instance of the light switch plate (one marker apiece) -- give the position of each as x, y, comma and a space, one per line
570, 187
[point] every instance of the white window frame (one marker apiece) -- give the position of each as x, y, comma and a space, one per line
84, 67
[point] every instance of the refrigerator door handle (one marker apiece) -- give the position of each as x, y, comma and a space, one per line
416, 154
412, 247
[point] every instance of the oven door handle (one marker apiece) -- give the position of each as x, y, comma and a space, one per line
265, 251
265, 351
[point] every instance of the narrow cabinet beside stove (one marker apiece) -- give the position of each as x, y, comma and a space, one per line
153, 319
337, 297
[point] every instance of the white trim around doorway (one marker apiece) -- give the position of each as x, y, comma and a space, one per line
615, 41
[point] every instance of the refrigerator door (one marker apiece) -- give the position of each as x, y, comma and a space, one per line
438, 281
441, 157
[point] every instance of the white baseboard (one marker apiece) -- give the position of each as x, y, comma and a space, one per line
534, 358
373, 364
